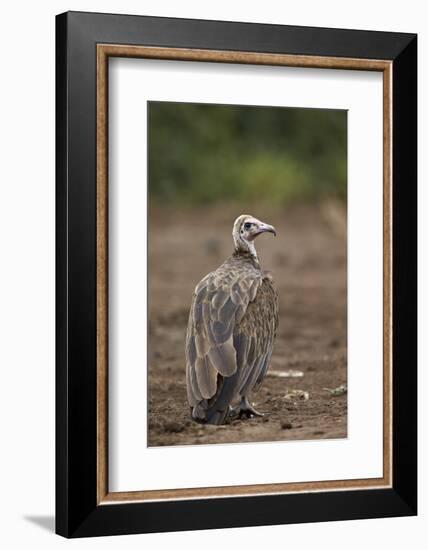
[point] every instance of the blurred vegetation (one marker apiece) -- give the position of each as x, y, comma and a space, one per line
201, 153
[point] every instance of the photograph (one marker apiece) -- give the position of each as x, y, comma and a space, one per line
247, 273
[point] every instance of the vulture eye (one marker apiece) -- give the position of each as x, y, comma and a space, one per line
247, 225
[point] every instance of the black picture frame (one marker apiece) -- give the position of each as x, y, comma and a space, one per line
77, 511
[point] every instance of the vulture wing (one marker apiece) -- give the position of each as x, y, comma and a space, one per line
255, 337
232, 325
218, 306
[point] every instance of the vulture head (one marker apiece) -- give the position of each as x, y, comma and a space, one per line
245, 229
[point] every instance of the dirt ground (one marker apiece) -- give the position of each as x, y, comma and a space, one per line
308, 262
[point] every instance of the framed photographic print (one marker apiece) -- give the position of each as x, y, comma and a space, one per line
236, 274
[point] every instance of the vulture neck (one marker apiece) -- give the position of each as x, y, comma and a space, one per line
247, 252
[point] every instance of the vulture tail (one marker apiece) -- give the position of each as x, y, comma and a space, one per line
215, 410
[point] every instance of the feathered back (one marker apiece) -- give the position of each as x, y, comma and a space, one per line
231, 329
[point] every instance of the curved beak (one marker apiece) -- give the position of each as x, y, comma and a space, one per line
266, 228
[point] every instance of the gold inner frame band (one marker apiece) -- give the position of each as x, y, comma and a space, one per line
104, 51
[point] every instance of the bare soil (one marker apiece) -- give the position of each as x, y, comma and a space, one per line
308, 262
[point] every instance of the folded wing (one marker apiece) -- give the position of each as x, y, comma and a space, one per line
219, 304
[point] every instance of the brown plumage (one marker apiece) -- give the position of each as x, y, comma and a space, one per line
232, 325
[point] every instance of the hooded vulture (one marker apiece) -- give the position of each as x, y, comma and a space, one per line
232, 325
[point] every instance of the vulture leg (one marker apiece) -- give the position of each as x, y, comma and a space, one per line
245, 409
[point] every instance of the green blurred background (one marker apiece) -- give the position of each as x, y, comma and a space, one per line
202, 153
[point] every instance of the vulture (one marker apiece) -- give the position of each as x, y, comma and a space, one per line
231, 330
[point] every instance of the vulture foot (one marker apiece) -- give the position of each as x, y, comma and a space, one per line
245, 409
